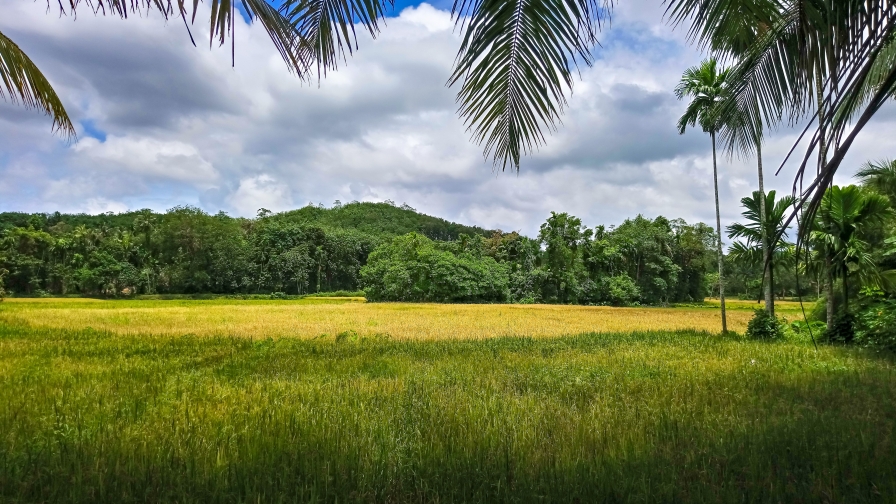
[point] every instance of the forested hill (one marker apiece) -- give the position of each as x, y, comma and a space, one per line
380, 219
377, 219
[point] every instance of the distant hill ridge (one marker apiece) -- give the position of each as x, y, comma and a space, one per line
379, 219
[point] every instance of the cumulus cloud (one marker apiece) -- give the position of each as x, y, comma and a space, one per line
150, 157
259, 192
163, 123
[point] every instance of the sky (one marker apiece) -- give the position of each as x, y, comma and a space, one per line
162, 123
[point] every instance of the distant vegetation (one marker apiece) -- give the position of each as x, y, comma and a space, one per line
393, 253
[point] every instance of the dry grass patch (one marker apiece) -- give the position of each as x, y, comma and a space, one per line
309, 319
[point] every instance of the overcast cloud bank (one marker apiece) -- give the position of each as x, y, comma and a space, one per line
162, 123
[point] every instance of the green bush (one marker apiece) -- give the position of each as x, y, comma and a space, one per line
875, 324
619, 290
764, 326
339, 293
842, 330
411, 268
804, 331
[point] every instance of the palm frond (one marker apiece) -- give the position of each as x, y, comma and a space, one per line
881, 177
22, 82
326, 28
727, 28
515, 64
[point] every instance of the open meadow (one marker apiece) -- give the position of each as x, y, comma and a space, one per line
323, 317
328, 400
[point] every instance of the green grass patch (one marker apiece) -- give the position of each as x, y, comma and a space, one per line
88, 416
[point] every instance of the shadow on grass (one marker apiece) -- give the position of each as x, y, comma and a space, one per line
656, 417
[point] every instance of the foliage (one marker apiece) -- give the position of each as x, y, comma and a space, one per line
842, 330
764, 326
876, 324
832, 59
841, 235
411, 268
379, 219
316, 249
23, 82
880, 176
619, 290
801, 330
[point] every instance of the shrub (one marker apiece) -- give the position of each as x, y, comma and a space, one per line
620, 290
842, 330
764, 326
805, 331
411, 268
875, 324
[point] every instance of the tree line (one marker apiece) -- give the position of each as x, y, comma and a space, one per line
393, 253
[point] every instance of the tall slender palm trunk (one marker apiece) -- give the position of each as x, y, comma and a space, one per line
715, 179
768, 272
822, 160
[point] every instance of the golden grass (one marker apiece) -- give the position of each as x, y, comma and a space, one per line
309, 318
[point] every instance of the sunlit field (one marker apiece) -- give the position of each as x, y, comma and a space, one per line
158, 401
315, 317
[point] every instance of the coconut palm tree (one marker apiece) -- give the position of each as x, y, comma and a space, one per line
707, 87
760, 226
837, 235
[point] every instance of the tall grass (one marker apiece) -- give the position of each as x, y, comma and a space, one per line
95, 416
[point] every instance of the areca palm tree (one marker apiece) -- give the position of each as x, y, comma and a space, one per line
837, 235
729, 35
514, 66
760, 226
707, 86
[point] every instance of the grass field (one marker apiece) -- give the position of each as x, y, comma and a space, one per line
114, 414
316, 317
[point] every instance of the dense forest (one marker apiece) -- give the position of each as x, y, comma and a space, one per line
392, 252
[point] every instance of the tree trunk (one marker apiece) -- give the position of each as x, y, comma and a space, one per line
829, 291
822, 160
845, 295
715, 179
768, 275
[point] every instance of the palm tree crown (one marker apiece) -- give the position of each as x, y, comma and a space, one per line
838, 232
707, 87
774, 222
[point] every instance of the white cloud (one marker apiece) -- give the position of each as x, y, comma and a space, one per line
258, 192
184, 127
102, 205
150, 157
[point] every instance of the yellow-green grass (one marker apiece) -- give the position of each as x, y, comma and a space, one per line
315, 317
99, 416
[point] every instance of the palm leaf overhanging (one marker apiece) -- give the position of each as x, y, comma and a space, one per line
22, 82
834, 59
515, 64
